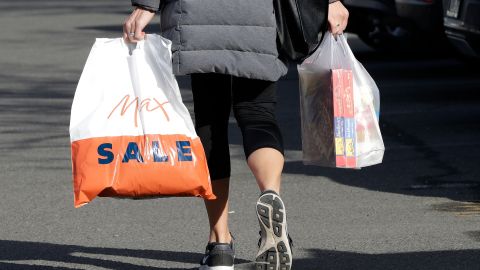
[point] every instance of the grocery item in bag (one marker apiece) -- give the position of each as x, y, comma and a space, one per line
131, 135
339, 104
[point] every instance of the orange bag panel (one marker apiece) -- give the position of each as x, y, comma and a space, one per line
139, 166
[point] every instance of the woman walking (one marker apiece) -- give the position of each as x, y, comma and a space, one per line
229, 48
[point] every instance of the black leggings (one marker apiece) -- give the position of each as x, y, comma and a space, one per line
253, 107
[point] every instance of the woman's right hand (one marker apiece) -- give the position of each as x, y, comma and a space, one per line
135, 23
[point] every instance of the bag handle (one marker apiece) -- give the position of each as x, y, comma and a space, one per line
339, 50
140, 45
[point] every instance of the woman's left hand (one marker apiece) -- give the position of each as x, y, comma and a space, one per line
337, 18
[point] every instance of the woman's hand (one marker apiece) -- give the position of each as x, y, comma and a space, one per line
135, 23
337, 17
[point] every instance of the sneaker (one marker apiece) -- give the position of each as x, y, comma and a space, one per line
218, 256
274, 246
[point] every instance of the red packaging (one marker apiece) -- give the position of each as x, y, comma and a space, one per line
349, 119
338, 117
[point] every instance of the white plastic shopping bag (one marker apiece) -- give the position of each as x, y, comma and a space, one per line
340, 108
131, 135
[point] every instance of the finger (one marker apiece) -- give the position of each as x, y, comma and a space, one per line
131, 20
332, 25
129, 26
345, 19
131, 33
125, 31
139, 31
126, 28
334, 32
337, 28
335, 36
345, 23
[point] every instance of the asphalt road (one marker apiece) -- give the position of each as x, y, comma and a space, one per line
420, 209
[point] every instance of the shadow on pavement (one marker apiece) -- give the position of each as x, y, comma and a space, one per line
339, 260
16, 255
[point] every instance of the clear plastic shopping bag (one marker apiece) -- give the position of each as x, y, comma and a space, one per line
131, 135
340, 108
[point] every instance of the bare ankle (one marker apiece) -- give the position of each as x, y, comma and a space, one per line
220, 237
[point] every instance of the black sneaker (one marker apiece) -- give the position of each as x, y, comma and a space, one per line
218, 256
274, 246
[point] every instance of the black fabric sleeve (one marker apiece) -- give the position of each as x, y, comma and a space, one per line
152, 5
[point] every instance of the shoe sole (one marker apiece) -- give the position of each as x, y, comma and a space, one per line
223, 267
274, 252
205, 267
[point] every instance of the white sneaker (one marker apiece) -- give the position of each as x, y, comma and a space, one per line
274, 246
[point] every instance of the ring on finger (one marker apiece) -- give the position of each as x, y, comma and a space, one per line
131, 34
